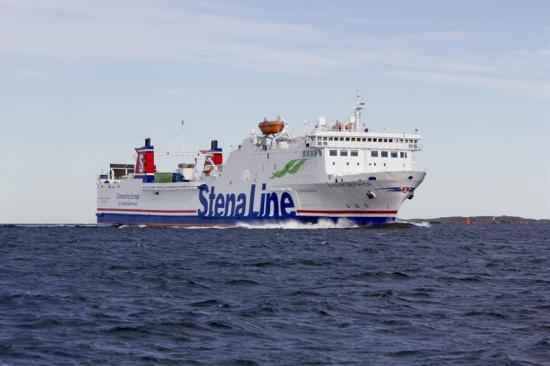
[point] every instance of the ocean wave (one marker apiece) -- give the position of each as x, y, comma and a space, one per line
88, 296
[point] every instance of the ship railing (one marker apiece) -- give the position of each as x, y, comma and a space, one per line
338, 126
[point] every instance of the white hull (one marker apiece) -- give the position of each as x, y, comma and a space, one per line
135, 202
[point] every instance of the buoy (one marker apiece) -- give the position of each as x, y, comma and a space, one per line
468, 221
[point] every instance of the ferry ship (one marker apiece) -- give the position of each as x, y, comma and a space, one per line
334, 171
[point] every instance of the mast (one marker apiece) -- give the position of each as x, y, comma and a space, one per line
359, 105
182, 137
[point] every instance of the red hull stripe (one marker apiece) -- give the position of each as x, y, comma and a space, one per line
146, 211
343, 212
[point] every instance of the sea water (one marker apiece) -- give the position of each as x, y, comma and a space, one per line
280, 294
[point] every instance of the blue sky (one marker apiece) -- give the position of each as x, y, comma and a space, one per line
83, 82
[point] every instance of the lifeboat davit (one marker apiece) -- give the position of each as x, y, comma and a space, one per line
271, 127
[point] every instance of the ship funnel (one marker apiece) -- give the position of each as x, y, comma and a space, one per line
217, 153
145, 162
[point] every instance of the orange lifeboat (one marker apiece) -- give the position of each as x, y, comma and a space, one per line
270, 127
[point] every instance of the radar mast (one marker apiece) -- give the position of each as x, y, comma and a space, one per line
359, 105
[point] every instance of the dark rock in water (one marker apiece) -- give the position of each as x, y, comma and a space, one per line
483, 220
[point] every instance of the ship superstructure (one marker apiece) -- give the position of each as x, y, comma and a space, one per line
337, 170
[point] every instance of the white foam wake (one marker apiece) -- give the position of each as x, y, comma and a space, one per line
296, 225
419, 224
291, 224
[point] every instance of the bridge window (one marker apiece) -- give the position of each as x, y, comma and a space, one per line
347, 138
343, 153
364, 139
384, 154
354, 153
353, 139
385, 140
374, 154
394, 154
333, 152
369, 139
401, 154
330, 138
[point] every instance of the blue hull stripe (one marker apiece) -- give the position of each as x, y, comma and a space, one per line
165, 220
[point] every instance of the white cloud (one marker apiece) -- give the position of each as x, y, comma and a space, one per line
223, 33
128, 29
530, 88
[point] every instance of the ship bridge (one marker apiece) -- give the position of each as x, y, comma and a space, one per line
356, 152
346, 149
334, 149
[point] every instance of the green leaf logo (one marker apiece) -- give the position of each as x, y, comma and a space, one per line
291, 167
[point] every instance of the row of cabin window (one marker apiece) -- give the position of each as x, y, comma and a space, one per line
311, 153
384, 154
344, 153
374, 153
370, 139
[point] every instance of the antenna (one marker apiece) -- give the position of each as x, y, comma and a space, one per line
182, 136
359, 105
